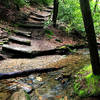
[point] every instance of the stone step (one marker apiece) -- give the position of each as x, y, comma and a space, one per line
16, 51
30, 25
38, 15
22, 33
20, 40
50, 7
37, 18
48, 10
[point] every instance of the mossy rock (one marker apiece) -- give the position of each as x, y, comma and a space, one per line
86, 83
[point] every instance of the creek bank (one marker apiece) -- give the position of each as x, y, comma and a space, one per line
85, 85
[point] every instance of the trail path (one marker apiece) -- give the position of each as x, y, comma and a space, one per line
29, 38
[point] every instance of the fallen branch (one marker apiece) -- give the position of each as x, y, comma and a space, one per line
19, 52
25, 73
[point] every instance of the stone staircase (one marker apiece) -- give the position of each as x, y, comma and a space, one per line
21, 41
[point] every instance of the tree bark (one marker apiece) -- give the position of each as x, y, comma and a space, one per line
89, 28
55, 12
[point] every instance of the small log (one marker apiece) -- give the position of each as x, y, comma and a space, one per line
19, 52
25, 73
30, 25
36, 18
20, 40
23, 33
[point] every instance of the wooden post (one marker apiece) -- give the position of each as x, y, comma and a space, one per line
55, 12
89, 28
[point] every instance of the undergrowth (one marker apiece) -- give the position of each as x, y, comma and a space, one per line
86, 83
70, 13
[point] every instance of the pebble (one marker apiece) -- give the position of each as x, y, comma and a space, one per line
25, 87
32, 77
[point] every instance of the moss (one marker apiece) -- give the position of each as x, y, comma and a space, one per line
86, 83
27, 96
82, 93
1, 43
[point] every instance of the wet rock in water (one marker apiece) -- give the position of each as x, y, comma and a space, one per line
31, 77
4, 95
20, 95
38, 84
25, 87
20, 85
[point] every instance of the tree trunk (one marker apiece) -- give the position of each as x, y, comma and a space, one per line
89, 28
55, 12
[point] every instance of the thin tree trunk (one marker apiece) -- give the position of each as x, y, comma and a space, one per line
95, 6
55, 12
89, 28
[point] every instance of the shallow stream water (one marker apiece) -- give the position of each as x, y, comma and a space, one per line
56, 85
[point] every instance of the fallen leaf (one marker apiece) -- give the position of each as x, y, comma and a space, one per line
39, 78
58, 96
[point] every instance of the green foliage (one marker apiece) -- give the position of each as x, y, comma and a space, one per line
49, 33
8, 31
70, 13
20, 3
45, 2
47, 23
12, 3
27, 96
86, 83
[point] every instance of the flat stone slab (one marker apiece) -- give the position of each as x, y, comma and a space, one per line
41, 16
16, 49
47, 10
37, 18
15, 65
20, 40
50, 7
23, 33
30, 25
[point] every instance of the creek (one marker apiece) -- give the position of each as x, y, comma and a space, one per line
55, 85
